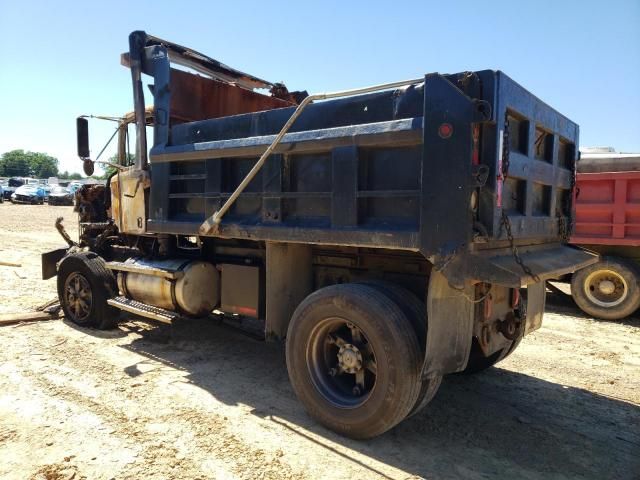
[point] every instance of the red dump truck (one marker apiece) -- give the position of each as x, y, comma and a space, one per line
608, 222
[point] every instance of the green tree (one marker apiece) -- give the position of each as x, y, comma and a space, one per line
18, 163
15, 164
107, 170
42, 165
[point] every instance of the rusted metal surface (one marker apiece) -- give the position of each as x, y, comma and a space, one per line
197, 61
115, 200
131, 186
90, 203
198, 98
63, 233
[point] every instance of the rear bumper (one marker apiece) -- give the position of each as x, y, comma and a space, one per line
547, 261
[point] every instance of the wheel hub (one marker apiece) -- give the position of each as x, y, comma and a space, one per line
342, 362
607, 287
78, 296
349, 358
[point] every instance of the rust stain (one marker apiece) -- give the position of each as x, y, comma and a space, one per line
197, 98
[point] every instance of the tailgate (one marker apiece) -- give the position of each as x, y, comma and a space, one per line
500, 266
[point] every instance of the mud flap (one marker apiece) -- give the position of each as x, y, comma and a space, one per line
450, 326
50, 261
536, 299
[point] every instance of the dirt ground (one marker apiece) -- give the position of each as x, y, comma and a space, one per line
199, 399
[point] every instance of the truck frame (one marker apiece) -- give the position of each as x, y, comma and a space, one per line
389, 234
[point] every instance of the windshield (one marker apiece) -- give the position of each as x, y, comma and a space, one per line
59, 190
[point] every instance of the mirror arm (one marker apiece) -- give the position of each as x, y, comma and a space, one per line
114, 165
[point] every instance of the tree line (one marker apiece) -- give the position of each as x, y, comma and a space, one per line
20, 163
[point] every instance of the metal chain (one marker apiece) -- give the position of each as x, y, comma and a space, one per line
565, 221
514, 249
506, 147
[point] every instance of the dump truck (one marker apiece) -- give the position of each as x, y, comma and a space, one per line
389, 235
608, 222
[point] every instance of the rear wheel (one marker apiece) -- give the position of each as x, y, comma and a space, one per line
84, 286
353, 359
478, 362
608, 289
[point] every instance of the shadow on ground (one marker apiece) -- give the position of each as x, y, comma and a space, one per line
497, 424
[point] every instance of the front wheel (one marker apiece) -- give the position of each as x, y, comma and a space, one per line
607, 289
353, 360
84, 286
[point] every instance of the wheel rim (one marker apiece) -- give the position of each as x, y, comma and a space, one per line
341, 362
606, 288
78, 296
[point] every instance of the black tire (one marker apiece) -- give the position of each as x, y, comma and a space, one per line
478, 362
587, 288
416, 312
386, 341
84, 286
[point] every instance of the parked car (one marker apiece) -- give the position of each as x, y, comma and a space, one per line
11, 186
1, 194
33, 194
74, 186
60, 196
47, 191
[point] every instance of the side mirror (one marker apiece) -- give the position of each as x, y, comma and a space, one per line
88, 167
82, 127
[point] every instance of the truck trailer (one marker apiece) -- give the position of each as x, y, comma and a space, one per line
389, 235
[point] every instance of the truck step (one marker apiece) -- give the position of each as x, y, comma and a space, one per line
142, 309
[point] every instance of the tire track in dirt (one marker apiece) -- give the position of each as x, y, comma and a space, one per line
206, 433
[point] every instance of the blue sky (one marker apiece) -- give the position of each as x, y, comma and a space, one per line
61, 59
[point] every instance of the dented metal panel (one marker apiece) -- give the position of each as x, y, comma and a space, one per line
132, 185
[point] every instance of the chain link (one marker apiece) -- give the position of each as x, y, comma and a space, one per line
563, 213
514, 249
506, 147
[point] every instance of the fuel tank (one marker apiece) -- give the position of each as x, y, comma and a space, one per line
188, 286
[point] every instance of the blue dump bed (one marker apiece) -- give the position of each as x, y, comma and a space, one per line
450, 167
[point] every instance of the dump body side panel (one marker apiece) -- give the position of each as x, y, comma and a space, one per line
608, 209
